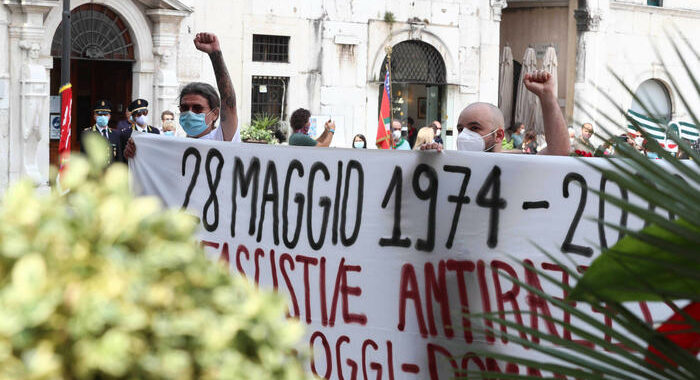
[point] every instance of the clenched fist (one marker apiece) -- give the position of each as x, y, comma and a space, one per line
540, 83
207, 43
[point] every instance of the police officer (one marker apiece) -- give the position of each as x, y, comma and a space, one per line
102, 111
139, 115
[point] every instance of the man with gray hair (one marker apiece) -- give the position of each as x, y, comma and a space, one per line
200, 105
482, 124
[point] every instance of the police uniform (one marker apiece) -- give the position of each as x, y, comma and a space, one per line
114, 137
135, 106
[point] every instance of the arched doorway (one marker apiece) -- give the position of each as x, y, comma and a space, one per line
102, 58
418, 76
651, 109
653, 96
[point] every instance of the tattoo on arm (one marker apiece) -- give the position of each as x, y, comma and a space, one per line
223, 80
229, 116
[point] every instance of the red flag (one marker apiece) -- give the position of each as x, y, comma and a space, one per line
66, 108
680, 331
384, 140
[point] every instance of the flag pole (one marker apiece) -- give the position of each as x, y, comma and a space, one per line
66, 93
388, 50
65, 57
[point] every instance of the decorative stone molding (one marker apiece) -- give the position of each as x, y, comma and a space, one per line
587, 20
416, 31
29, 76
166, 26
497, 9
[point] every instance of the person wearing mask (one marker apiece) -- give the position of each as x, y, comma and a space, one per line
359, 142
583, 143
482, 123
167, 123
437, 131
517, 135
102, 112
201, 106
426, 135
400, 143
300, 121
139, 114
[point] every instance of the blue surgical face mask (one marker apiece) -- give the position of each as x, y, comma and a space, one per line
102, 121
169, 133
194, 124
358, 145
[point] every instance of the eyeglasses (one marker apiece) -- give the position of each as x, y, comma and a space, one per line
102, 113
139, 113
195, 108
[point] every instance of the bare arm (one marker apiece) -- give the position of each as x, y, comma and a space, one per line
555, 132
325, 139
209, 43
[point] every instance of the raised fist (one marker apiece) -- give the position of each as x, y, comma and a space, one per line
207, 43
539, 83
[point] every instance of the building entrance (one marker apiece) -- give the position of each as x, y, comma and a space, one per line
418, 78
102, 58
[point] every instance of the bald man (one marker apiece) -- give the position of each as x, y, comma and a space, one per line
482, 124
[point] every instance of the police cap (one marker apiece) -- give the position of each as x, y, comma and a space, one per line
138, 105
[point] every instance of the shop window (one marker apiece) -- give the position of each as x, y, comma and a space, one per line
268, 48
269, 96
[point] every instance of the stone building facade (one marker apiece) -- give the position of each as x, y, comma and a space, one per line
326, 56
336, 51
599, 39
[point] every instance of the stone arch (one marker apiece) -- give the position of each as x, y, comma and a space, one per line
661, 77
408, 34
137, 24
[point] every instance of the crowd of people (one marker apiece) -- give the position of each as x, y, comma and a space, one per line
480, 126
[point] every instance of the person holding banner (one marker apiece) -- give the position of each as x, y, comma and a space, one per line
482, 124
201, 106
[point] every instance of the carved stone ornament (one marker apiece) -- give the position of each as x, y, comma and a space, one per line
587, 20
497, 8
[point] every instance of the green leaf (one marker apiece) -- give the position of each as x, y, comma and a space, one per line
629, 271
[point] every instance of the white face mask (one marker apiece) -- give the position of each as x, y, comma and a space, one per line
639, 140
470, 141
396, 134
142, 120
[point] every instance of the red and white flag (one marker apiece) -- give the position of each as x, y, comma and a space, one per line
66, 93
384, 140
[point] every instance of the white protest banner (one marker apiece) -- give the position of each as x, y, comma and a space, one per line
385, 254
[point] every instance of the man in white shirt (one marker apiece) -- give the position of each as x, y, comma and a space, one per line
201, 106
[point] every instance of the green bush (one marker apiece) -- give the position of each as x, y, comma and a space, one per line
96, 284
261, 129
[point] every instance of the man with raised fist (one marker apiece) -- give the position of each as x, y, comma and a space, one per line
482, 124
201, 106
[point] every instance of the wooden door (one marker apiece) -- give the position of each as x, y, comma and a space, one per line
92, 81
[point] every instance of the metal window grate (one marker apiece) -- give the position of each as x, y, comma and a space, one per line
97, 34
270, 48
269, 96
416, 62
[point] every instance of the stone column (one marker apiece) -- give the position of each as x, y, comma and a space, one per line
166, 27
4, 99
589, 68
29, 78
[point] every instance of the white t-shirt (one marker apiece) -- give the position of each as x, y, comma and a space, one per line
218, 135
